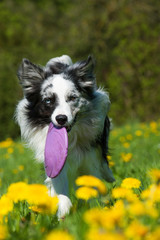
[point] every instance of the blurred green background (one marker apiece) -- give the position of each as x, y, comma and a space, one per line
123, 36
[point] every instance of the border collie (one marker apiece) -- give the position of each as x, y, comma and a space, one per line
66, 94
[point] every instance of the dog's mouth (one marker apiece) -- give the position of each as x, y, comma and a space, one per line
67, 126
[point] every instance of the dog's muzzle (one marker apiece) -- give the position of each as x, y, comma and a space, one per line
62, 121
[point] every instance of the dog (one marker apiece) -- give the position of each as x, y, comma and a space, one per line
66, 94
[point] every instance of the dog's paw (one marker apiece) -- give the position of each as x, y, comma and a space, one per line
51, 190
107, 173
64, 206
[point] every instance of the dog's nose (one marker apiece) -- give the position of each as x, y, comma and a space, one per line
61, 119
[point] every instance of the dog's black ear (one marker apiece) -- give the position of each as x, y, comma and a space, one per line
30, 76
85, 74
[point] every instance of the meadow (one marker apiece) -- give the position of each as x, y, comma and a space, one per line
125, 210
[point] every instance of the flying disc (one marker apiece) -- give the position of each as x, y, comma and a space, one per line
56, 149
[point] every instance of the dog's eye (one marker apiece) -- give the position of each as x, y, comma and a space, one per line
47, 101
72, 98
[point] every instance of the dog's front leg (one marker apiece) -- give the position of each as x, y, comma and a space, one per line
58, 186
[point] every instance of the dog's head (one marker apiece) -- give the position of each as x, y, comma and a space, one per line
58, 91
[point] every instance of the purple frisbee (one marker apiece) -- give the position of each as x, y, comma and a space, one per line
56, 150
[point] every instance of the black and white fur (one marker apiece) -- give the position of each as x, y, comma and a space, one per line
66, 94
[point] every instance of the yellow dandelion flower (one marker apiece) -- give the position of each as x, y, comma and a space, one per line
1, 219
126, 145
22, 191
48, 207
18, 191
106, 208
124, 193
153, 126
36, 190
130, 183
3, 232
10, 150
116, 214
138, 133
60, 235
137, 208
140, 208
35, 208
136, 230
119, 206
122, 139
4, 219
101, 234
51, 205
15, 171
150, 209
155, 175
155, 235
6, 205
129, 137
91, 181
149, 192
86, 193
120, 192
46, 203
96, 217
155, 194
126, 157
20, 167
145, 193
109, 158
152, 193
110, 162
7, 143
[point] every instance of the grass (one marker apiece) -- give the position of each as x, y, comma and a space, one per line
134, 151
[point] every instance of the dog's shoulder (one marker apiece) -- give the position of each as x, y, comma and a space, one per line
102, 100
